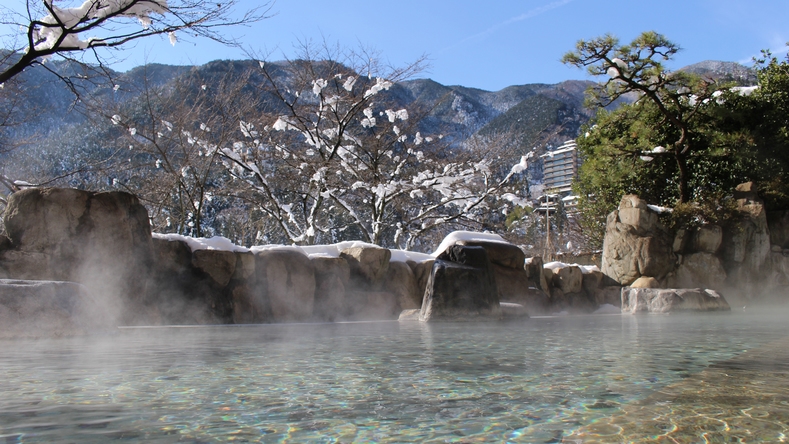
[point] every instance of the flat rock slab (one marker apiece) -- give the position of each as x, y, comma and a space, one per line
668, 300
46, 309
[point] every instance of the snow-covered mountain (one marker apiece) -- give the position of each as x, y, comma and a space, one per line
533, 111
533, 115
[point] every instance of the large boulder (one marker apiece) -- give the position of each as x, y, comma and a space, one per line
45, 309
288, 278
656, 300
636, 244
461, 287
101, 240
636, 214
369, 265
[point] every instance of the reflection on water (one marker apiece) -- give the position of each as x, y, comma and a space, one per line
545, 380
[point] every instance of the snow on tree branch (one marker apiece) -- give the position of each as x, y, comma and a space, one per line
44, 28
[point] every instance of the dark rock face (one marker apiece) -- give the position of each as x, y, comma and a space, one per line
35, 309
101, 240
188, 290
422, 274
464, 289
656, 300
400, 281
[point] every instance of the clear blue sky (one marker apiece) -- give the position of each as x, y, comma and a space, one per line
494, 44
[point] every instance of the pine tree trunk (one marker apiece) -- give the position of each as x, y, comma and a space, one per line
684, 186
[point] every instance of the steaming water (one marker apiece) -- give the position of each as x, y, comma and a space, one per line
543, 380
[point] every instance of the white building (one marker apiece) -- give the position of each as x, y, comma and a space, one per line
560, 168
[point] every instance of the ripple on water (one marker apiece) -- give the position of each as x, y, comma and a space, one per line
548, 380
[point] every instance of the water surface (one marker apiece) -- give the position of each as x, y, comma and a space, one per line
543, 380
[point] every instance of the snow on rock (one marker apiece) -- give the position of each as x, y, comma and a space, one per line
203, 243
262, 248
311, 251
555, 265
585, 269
468, 236
405, 256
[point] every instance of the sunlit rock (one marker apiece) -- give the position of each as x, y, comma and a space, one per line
645, 282
567, 278
636, 244
369, 265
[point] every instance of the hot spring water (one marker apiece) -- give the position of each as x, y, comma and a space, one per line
543, 380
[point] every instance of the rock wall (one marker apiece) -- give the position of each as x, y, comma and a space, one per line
103, 241
747, 258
